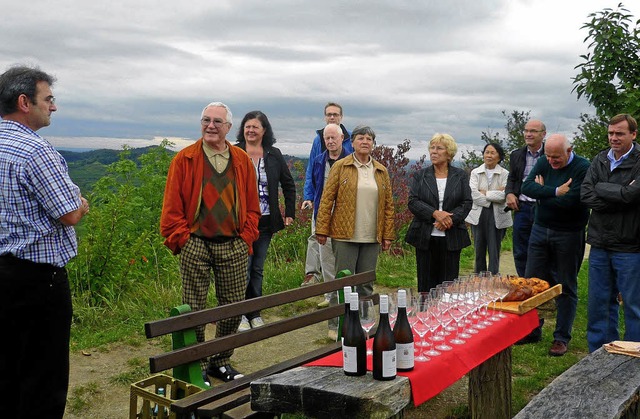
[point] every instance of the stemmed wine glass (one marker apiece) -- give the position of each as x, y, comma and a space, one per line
409, 300
420, 327
458, 310
444, 318
504, 286
429, 318
393, 310
367, 318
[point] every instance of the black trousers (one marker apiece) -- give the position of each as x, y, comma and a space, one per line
436, 264
35, 315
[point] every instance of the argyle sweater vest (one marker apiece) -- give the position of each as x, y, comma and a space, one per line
218, 216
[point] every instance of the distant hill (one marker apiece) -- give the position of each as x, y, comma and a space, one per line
86, 167
104, 156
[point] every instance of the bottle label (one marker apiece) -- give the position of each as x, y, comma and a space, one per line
350, 358
389, 363
405, 355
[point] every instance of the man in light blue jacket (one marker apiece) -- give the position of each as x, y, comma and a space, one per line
313, 268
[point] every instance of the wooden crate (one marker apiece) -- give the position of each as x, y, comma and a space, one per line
143, 397
521, 307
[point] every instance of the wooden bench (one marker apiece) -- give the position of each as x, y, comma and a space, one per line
601, 385
232, 399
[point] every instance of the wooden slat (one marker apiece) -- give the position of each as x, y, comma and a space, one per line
202, 350
205, 349
197, 318
199, 400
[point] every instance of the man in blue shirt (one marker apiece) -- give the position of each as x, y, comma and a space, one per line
313, 268
39, 205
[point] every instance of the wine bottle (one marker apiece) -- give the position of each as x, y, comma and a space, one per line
354, 347
384, 345
155, 412
347, 310
403, 335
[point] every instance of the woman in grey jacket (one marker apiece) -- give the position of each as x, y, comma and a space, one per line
440, 200
488, 219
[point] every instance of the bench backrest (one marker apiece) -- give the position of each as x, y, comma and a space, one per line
205, 349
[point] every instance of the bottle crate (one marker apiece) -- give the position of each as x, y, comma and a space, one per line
144, 396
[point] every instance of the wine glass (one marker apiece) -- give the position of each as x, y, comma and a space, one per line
421, 329
393, 310
457, 310
409, 300
421, 306
367, 318
429, 318
444, 318
505, 286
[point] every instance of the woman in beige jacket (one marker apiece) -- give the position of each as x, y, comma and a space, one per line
488, 218
357, 185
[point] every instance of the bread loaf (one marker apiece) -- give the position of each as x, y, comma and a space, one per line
524, 288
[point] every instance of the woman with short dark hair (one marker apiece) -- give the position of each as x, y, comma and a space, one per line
489, 221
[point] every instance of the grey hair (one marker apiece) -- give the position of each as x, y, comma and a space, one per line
219, 105
363, 130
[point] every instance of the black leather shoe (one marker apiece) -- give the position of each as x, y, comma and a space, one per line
226, 373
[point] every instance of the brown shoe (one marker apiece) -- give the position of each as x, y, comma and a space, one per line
558, 348
309, 279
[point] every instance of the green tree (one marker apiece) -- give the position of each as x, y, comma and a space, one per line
516, 120
591, 136
609, 75
119, 243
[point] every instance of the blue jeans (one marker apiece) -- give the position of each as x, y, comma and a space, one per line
522, 223
255, 269
556, 256
610, 273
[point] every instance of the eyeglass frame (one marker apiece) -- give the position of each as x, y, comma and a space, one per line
532, 131
205, 121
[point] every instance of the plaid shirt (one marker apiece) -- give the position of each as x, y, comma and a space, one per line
35, 191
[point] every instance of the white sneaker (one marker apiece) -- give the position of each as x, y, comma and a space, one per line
324, 303
244, 325
257, 322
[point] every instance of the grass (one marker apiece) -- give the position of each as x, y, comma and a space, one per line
123, 321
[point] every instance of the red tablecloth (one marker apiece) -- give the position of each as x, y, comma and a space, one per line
429, 378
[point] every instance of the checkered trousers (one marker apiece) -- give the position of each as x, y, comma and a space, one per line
228, 261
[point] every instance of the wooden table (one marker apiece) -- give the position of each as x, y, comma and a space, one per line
486, 357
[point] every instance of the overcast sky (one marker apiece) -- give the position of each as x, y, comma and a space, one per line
144, 70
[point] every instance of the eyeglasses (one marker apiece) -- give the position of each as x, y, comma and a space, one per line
532, 131
205, 121
332, 115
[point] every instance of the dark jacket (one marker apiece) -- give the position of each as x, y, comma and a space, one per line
517, 163
277, 173
615, 203
562, 213
423, 201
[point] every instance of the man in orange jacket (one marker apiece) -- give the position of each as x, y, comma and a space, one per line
210, 217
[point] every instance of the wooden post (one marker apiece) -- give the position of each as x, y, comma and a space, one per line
490, 388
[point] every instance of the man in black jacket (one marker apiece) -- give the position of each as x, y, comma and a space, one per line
611, 189
521, 162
